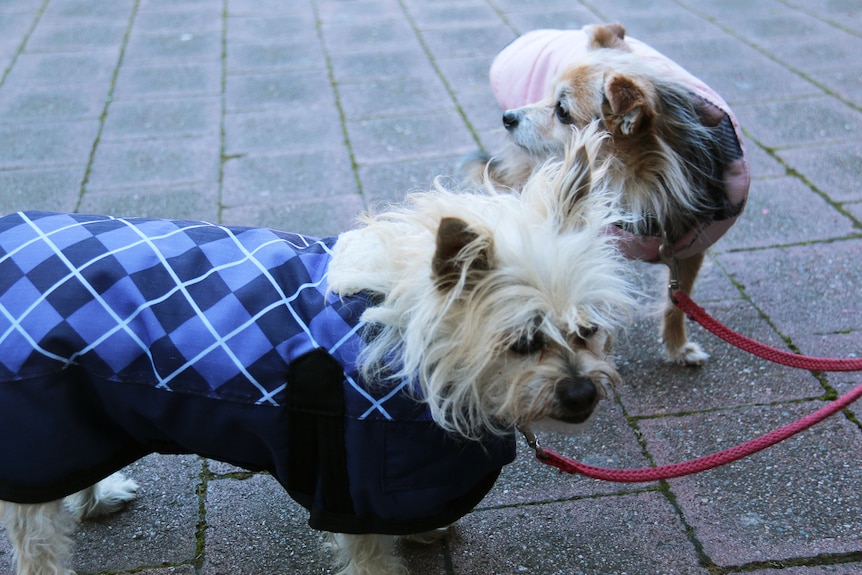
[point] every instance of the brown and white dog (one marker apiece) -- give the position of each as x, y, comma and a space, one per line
674, 149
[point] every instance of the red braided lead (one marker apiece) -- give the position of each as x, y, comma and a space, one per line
705, 463
698, 314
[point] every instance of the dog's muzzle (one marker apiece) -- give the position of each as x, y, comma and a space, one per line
577, 398
511, 119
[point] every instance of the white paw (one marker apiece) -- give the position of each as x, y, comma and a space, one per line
690, 354
111, 494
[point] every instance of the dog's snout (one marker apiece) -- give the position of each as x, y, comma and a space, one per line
511, 118
577, 397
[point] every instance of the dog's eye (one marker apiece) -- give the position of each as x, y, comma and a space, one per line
562, 113
529, 343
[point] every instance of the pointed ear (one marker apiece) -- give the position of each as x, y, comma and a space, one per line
606, 36
451, 256
573, 185
626, 108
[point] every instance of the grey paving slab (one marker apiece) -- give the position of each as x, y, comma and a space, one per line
149, 162
254, 527
778, 212
831, 169
776, 511
305, 89
57, 143
143, 534
822, 278
299, 115
297, 177
564, 538
801, 121
193, 201
731, 377
145, 81
54, 36
282, 130
41, 188
388, 139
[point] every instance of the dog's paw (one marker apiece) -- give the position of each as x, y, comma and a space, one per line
691, 355
111, 494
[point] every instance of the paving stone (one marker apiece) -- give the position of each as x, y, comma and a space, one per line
145, 81
157, 529
86, 35
393, 97
162, 119
46, 189
477, 40
845, 82
183, 202
374, 36
800, 122
174, 46
831, 169
838, 569
299, 90
767, 506
57, 143
94, 69
778, 213
393, 63
253, 527
46, 105
292, 130
652, 386
154, 162
389, 139
562, 538
290, 177
390, 182
804, 289
320, 219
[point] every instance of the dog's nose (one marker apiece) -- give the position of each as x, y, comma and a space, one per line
511, 119
577, 396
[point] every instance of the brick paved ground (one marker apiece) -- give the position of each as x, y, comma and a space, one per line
297, 114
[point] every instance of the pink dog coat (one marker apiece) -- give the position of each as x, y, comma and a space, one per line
525, 71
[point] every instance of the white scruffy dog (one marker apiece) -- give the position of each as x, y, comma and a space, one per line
479, 312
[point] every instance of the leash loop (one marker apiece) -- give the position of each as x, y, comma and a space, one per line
532, 441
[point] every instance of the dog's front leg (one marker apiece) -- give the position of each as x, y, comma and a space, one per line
679, 349
41, 537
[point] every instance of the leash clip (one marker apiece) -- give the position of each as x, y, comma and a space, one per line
532, 441
665, 254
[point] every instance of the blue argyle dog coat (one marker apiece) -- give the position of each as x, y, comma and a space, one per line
124, 337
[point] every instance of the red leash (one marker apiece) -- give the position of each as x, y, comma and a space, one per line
693, 311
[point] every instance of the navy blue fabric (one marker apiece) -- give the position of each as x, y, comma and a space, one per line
122, 337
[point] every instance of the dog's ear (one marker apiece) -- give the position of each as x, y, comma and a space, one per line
626, 107
459, 250
573, 185
607, 36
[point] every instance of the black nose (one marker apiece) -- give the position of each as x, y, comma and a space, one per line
511, 119
577, 397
